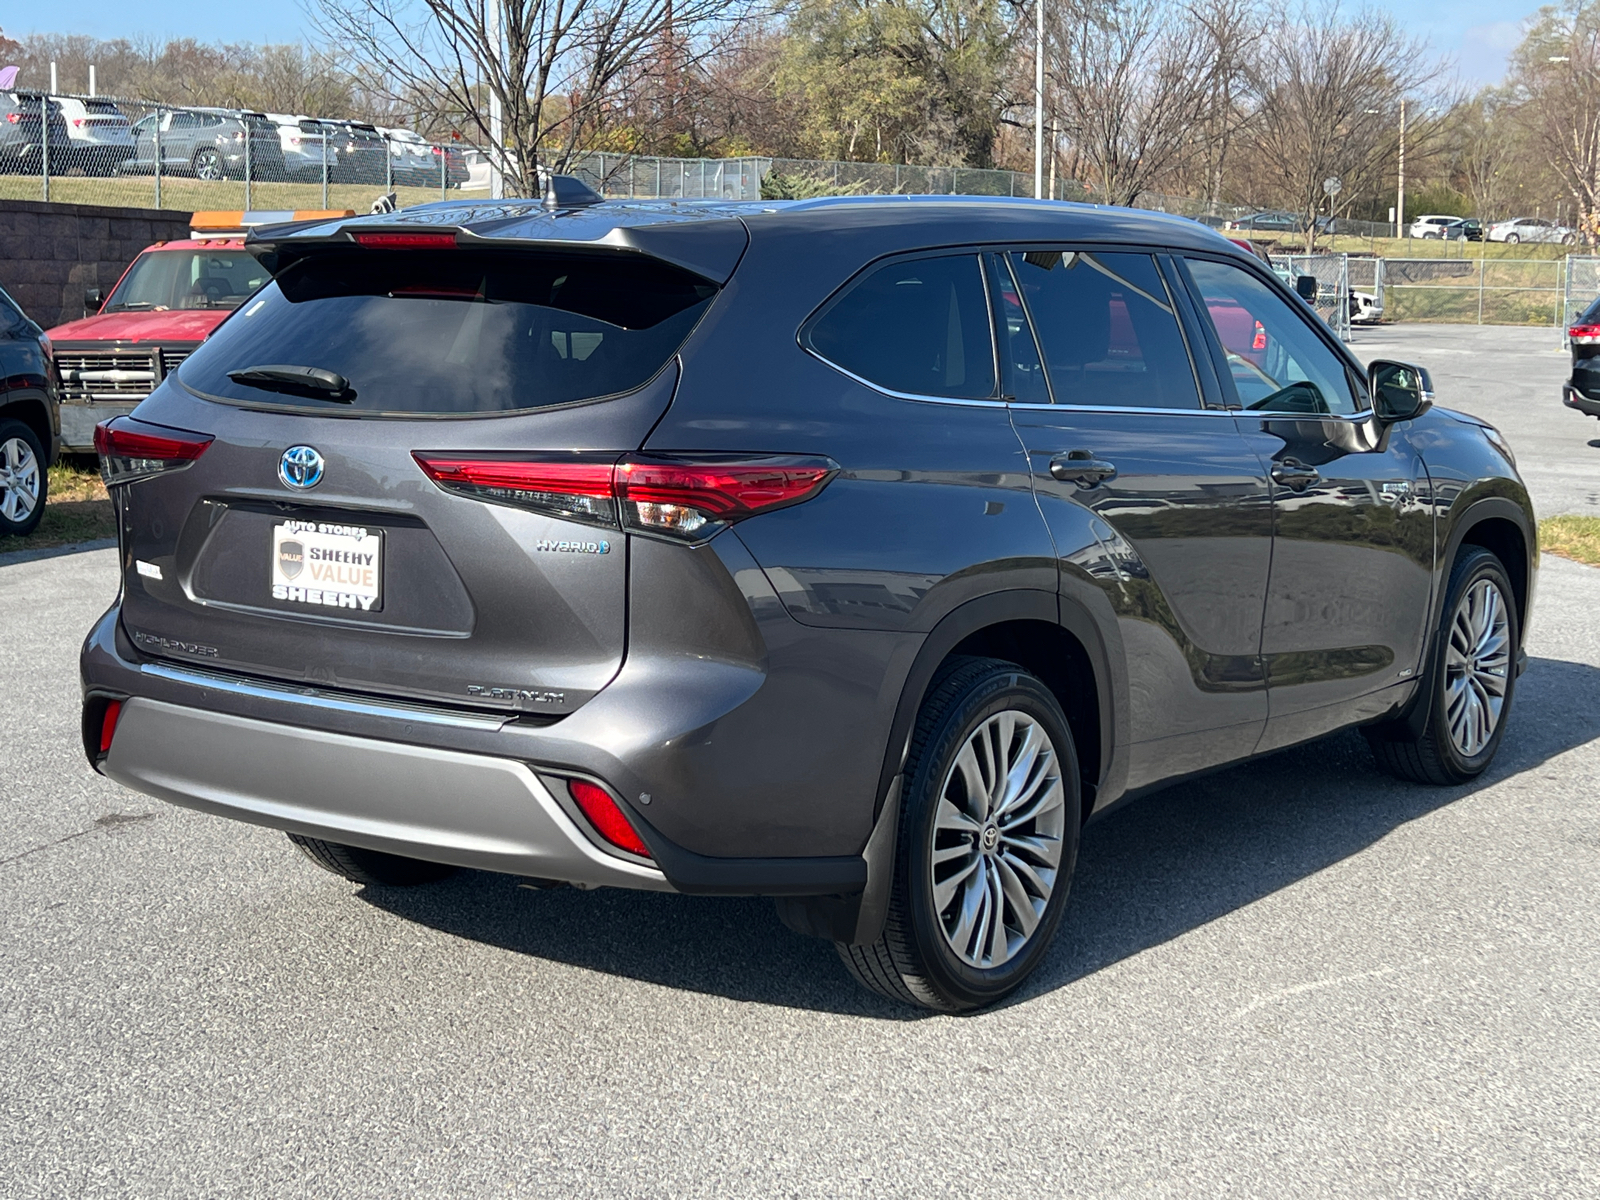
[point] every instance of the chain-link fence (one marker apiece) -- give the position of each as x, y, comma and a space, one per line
1580, 288
1474, 291
1332, 273
139, 154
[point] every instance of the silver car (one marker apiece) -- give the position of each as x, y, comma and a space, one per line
1530, 229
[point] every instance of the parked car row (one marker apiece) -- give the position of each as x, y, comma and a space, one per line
94, 136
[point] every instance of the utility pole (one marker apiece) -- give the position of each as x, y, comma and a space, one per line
497, 133
1038, 99
1400, 197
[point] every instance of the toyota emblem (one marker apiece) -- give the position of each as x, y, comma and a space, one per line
300, 467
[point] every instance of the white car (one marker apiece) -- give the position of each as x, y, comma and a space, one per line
1365, 308
415, 162
100, 134
1530, 229
1441, 227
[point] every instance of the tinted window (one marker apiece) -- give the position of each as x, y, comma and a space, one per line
1021, 375
918, 326
1276, 360
1107, 329
457, 331
12, 321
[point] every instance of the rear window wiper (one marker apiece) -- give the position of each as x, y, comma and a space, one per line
299, 381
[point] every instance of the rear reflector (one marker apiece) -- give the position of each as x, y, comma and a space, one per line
605, 816
684, 498
108, 725
421, 240
131, 450
1584, 335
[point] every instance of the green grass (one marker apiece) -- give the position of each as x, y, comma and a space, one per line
76, 510
1577, 538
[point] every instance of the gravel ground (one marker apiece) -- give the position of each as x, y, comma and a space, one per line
1294, 978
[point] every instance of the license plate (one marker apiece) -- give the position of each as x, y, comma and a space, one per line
319, 564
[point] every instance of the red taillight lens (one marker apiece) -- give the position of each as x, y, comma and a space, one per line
1260, 340
131, 450
1584, 335
108, 725
605, 816
680, 497
577, 487
421, 240
13, 118
696, 499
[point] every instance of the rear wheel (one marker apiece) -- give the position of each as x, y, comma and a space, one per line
207, 164
1473, 682
1512, 239
364, 866
23, 479
987, 842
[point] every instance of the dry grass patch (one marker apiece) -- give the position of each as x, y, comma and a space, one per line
1577, 538
76, 509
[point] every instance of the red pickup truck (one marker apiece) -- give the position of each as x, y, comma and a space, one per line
167, 302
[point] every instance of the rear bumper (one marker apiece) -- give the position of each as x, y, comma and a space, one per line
1573, 398
469, 810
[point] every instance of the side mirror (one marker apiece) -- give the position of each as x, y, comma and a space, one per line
1400, 390
93, 299
1305, 286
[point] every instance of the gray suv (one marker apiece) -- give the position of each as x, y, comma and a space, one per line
853, 552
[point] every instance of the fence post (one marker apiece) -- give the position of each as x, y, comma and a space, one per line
249, 137
388, 166
157, 130
324, 131
44, 142
1480, 289
444, 169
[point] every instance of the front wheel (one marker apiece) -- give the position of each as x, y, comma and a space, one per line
988, 838
1474, 679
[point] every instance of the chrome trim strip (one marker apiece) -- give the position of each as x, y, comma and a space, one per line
398, 710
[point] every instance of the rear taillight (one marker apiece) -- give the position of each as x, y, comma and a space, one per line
685, 498
13, 118
1259, 342
130, 450
108, 725
1584, 335
606, 816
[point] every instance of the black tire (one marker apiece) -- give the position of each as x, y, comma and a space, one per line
207, 164
914, 960
16, 490
1512, 239
372, 867
1433, 755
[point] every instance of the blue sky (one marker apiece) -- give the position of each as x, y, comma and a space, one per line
1477, 34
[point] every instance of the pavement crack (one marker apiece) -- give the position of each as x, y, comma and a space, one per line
109, 821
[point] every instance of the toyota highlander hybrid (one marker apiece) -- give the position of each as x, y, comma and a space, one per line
853, 552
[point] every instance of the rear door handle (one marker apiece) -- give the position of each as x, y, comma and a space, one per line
1082, 468
1294, 475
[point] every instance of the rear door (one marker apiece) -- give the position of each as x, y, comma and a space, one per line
1150, 495
309, 543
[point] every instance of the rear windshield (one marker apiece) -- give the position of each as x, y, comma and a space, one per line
456, 331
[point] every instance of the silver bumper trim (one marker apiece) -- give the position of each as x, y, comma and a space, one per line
470, 810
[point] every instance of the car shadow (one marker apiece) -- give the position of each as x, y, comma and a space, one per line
1147, 872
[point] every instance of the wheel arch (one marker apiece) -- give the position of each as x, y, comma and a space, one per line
33, 410
1044, 634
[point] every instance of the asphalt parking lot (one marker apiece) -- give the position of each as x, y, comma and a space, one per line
1295, 978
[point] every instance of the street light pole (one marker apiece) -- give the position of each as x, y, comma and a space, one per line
497, 182
1400, 196
1038, 99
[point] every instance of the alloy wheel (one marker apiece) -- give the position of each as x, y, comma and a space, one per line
19, 480
997, 839
1477, 667
207, 165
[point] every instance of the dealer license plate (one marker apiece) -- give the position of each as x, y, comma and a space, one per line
320, 564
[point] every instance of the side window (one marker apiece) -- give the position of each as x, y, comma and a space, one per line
1276, 360
12, 322
919, 326
1021, 373
1107, 328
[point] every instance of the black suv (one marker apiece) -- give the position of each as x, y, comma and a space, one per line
848, 551
30, 420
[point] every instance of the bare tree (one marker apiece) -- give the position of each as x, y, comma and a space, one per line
1232, 31
1128, 79
1327, 94
552, 65
1556, 88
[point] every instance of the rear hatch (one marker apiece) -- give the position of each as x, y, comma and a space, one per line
308, 542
